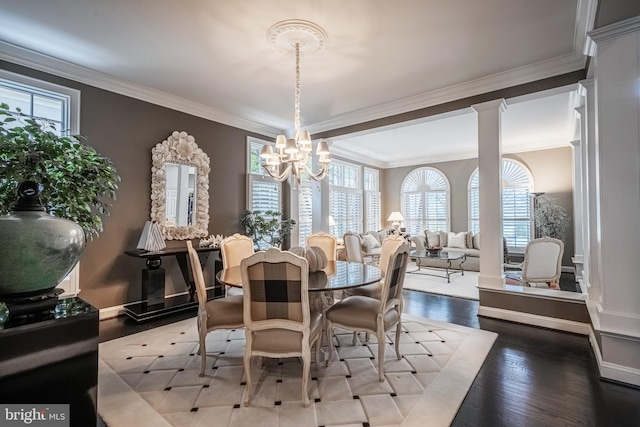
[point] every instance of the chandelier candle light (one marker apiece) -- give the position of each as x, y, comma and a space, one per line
295, 153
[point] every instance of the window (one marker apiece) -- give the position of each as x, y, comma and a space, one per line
345, 198
57, 104
425, 201
517, 219
305, 211
372, 200
264, 192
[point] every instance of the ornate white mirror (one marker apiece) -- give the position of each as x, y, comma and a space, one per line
180, 187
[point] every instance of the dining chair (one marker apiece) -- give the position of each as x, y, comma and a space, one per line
326, 242
233, 249
352, 247
376, 316
389, 246
542, 265
220, 313
277, 317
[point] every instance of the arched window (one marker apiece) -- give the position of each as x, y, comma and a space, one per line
425, 201
517, 218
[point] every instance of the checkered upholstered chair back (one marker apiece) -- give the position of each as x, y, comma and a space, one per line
326, 242
278, 321
393, 280
234, 249
276, 290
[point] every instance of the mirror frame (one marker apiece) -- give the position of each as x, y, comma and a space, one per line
180, 148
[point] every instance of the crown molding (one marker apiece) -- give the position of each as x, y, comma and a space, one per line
448, 157
526, 74
48, 64
619, 29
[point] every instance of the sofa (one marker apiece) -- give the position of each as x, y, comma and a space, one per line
372, 240
462, 242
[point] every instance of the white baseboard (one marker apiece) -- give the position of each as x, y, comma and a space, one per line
611, 371
535, 320
111, 312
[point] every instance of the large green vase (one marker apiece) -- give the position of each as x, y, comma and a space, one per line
38, 250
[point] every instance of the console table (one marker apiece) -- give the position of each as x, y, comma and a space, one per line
153, 301
52, 359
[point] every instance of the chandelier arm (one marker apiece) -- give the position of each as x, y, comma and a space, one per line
317, 176
279, 177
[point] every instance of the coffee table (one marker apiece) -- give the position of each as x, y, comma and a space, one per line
438, 262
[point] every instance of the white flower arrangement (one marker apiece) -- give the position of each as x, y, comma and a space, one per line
212, 241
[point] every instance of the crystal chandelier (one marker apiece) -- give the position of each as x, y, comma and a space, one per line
293, 156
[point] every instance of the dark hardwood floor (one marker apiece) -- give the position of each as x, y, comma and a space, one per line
531, 377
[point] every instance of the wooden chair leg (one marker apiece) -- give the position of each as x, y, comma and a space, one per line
306, 368
381, 343
247, 371
397, 342
329, 331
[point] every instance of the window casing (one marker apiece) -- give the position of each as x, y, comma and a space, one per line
372, 200
517, 216
345, 198
425, 201
57, 104
264, 192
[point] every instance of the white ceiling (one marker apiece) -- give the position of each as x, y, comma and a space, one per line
212, 59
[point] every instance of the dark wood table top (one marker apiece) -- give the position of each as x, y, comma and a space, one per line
335, 276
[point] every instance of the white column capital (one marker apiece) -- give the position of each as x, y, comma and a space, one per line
496, 104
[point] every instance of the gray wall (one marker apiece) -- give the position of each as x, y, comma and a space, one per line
125, 130
552, 172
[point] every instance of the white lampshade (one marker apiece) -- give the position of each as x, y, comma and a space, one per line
281, 141
291, 146
323, 148
395, 217
304, 136
332, 221
266, 152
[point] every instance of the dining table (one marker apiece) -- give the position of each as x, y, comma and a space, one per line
335, 276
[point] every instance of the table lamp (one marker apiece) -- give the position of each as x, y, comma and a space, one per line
396, 217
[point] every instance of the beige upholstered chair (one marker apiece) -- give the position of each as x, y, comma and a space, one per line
278, 321
352, 247
542, 265
375, 316
221, 313
233, 250
326, 242
389, 246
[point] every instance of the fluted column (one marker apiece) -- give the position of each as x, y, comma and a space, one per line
490, 176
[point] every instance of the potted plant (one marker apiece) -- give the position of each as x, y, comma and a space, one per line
550, 219
266, 228
59, 177
76, 181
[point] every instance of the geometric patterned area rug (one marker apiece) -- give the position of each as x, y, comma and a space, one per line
461, 286
152, 379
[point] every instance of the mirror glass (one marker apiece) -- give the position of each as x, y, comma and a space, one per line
180, 194
180, 188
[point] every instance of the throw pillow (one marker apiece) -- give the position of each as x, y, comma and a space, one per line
469, 239
476, 241
433, 239
457, 240
370, 242
444, 239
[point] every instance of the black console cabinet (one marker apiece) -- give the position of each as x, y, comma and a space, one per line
153, 302
52, 359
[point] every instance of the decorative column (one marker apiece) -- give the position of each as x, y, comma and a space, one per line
490, 175
616, 317
578, 256
592, 275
